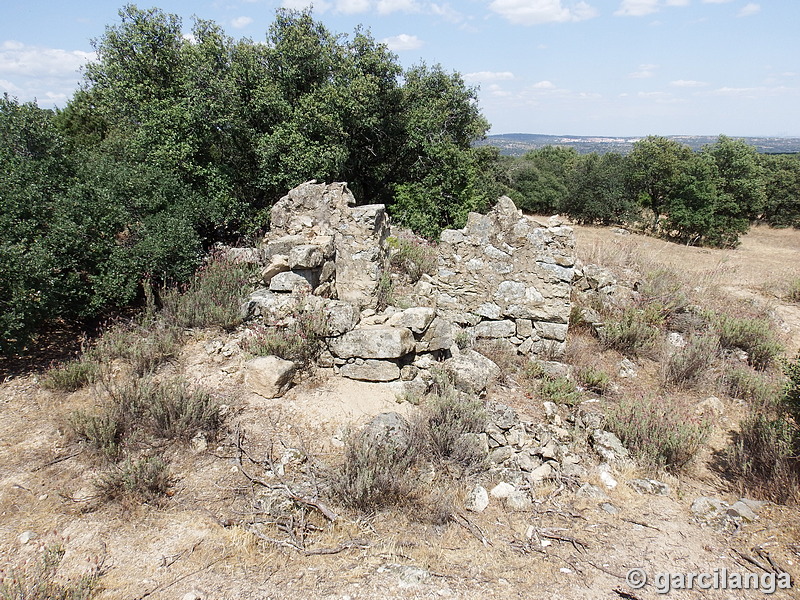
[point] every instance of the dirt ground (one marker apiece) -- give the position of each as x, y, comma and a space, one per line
196, 545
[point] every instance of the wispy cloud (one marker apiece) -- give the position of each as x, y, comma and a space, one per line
386, 7
688, 83
403, 41
319, 6
481, 76
749, 9
241, 22
536, 12
640, 8
643, 72
716, 1
544, 85
33, 61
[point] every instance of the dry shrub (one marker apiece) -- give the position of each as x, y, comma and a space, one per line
756, 336
502, 353
299, 341
661, 295
593, 379
145, 344
659, 432
71, 376
793, 294
141, 480
684, 367
39, 582
632, 335
745, 383
448, 425
412, 255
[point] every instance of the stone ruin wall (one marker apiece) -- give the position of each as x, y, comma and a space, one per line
503, 277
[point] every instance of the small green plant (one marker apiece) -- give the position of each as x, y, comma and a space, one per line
71, 376
631, 335
105, 431
559, 390
212, 298
144, 480
793, 295
176, 412
791, 391
38, 582
746, 384
660, 433
594, 380
384, 293
754, 336
463, 340
412, 255
684, 367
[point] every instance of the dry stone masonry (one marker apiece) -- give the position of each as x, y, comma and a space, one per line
503, 277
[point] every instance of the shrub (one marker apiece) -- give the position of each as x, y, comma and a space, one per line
384, 293
559, 390
684, 367
594, 380
746, 384
754, 336
446, 421
762, 454
105, 432
662, 295
412, 255
300, 341
177, 413
145, 344
791, 392
375, 473
71, 376
38, 582
793, 295
212, 298
631, 335
659, 433
146, 480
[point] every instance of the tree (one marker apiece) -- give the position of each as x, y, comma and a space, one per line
541, 178
597, 192
782, 190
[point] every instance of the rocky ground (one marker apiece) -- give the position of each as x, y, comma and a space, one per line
513, 531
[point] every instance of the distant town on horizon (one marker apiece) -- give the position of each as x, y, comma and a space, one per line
517, 144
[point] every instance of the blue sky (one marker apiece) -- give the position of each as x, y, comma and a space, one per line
581, 67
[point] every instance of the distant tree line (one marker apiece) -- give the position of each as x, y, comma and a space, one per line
173, 144
663, 187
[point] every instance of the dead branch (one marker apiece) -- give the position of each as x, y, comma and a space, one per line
565, 538
464, 522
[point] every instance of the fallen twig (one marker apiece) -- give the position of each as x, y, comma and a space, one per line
565, 538
464, 522
55, 461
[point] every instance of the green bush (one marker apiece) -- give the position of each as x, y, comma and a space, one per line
71, 376
559, 390
594, 380
793, 295
143, 480
750, 385
660, 433
754, 336
685, 366
213, 297
39, 581
791, 392
299, 341
176, 412
104, 431
632, 335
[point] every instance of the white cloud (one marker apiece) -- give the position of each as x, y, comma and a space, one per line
536, 12
488, 76
637, 8
403, 42
544, 85
749, 9
241, 22
351, 7
716, 1
644, 72
640, 8
34, 61
386, 7
687, 83
10, 88
447, 12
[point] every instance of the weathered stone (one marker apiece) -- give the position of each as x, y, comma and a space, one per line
373, 342
608, 446
708, 508
340, 317
542, 472
519, 500
526, 462
278, 264
477, 499
289, 281
552, 331
500, 454
388, 427
470, 371
587, 490
417, 319
245, 256
524, 328
650, 486
269, 376
502, 416
495, 329
502, 490
306, 256
271, 306
742, 511
372, 370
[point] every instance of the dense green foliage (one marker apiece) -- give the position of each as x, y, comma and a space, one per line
175, 143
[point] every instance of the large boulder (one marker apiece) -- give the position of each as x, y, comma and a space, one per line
373, 342
269, 376
471, 371
371, 370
